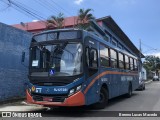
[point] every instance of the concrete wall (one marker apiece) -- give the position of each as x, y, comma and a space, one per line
13, 75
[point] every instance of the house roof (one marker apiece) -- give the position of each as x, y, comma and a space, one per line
111, 24
41, 25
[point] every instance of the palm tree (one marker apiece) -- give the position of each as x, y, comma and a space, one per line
55, 21
84, 16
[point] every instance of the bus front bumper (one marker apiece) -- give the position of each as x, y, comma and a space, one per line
78, 99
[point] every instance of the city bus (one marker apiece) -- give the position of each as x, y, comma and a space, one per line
71, 67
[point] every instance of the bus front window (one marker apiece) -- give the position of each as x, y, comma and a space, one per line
56, 60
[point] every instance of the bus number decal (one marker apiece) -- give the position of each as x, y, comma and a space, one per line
104, 79
38, 90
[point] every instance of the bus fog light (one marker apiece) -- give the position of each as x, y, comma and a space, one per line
78, 88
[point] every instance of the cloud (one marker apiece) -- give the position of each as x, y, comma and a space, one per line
78, 2
154, 54
35, 20
157, 54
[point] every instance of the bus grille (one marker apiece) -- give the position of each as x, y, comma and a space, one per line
52, 98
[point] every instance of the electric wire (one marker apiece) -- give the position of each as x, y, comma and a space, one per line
66, 11
45, 6
49, 5
25, 11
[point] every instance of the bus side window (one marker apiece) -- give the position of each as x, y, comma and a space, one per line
135, 65
113, 54
126, 62
121, 60
104, 56
131, 64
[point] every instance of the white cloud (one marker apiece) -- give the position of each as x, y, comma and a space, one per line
157, 54
154, 54
78, 2
35, 20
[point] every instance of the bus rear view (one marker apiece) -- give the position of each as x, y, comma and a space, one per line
56, 69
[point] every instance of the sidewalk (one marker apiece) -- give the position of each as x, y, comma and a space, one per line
20, 106
148, 81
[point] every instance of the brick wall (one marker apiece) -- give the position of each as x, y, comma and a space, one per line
13, 75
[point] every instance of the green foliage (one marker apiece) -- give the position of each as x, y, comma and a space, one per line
83, 18
151, 63
55, 21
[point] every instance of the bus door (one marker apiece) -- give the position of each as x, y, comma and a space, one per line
91, 70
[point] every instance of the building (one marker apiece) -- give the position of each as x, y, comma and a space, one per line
144, 74
104, 27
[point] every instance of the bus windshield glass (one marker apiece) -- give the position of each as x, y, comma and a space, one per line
63, 59
57, 36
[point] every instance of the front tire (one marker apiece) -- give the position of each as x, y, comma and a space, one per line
129, 94
103, 99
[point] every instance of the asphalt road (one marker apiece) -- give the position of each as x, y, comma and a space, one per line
147, 100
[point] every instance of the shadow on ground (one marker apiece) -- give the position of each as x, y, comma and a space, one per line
84, 111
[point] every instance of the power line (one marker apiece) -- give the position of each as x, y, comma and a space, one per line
5, 7
44, 6
147, 45
29, 8
24, 10
150, 48
49, 5
61, 7
28, 11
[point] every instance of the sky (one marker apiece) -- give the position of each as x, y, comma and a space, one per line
139, 19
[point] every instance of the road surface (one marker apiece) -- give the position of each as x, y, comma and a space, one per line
148, 100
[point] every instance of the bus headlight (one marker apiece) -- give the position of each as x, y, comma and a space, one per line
74, 90
78, 88
71, 92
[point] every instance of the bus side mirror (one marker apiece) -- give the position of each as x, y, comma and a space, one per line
23, 57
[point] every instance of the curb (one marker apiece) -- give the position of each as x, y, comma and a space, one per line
12, 100
148, 81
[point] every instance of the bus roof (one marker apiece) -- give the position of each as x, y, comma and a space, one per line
118, 31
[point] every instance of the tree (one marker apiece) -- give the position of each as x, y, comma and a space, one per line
151, 63
83, 18
55, 21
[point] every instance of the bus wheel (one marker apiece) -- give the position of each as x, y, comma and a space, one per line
103, 99
129, 94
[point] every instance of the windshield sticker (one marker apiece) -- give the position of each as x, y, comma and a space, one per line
51, 72
34, 63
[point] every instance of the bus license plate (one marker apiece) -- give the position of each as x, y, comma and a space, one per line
49, 99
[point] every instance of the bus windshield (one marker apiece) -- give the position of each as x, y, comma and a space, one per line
63, 59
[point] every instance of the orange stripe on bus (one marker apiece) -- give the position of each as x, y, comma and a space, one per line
102, 74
